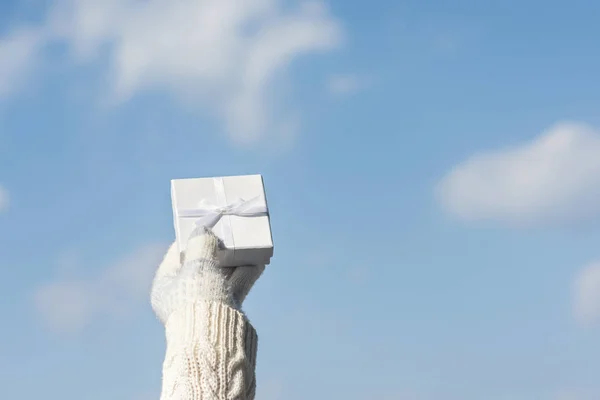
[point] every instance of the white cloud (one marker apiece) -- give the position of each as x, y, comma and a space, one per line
344, 84
553, 179
18, 54
66, 306
69, 305
4, 201
587, 295
224, 55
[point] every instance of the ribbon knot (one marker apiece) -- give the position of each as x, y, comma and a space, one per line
209, 214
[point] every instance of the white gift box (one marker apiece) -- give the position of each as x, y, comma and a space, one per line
234, 207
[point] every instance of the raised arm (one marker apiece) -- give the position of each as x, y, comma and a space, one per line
211, 345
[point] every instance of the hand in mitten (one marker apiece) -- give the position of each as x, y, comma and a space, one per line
211, 346
184, 279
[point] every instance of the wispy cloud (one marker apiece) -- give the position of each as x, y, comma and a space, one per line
345, 84
553, 179
587, 295
18, 54
223, 55
69, 305
4, 201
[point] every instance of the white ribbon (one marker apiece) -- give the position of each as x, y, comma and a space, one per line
209, 214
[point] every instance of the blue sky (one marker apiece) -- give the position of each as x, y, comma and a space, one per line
432, 172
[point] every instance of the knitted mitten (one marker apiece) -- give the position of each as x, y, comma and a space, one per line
211, 346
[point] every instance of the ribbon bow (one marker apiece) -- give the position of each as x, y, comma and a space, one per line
209, 214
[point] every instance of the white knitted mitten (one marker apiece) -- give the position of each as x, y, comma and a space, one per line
211, 346
199, 277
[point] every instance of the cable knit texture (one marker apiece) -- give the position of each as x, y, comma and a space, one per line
211, 354
211, 345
